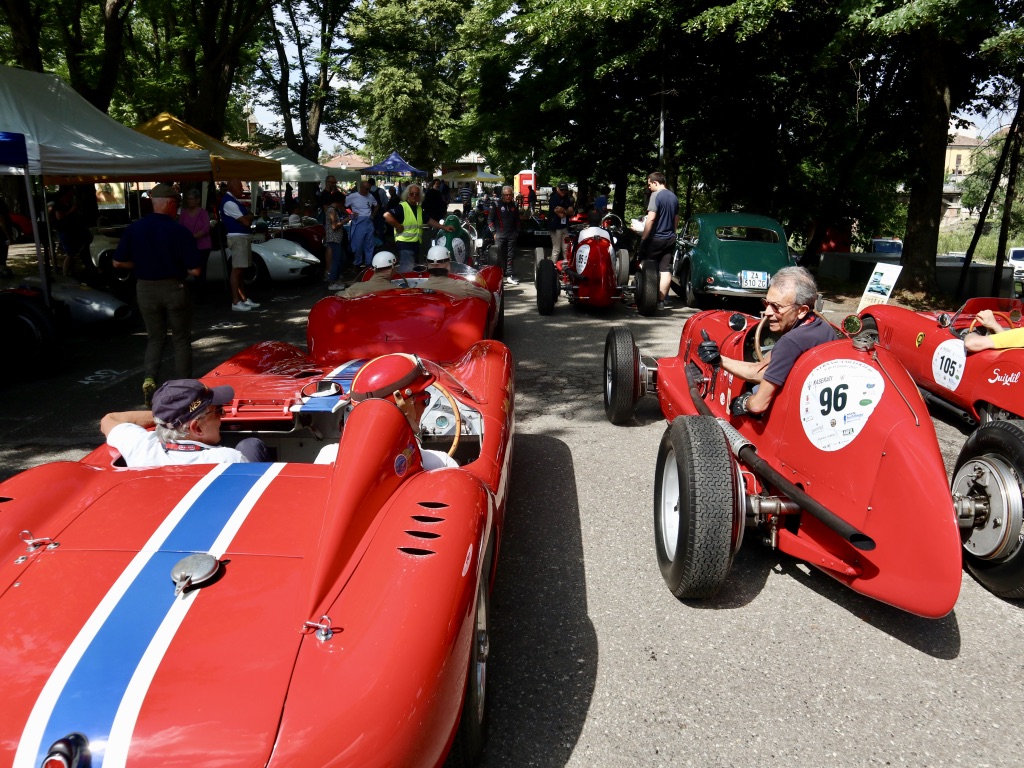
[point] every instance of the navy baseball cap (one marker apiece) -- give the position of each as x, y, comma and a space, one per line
179, 401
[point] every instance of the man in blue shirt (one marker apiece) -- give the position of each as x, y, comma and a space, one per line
560, 210
789, 308
162, 252
659, 237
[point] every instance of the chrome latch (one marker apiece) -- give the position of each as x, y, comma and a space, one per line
32, 543
323, 628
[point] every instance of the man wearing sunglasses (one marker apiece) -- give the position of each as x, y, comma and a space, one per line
789, 308
186, 414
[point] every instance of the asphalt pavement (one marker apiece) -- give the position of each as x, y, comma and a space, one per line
594, 662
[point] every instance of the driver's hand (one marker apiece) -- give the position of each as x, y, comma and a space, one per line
738, 406
709, 353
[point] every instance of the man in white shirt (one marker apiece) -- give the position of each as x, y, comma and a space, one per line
360, 236
186, 414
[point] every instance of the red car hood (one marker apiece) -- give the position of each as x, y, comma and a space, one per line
103, 646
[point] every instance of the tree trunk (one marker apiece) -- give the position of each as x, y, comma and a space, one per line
925, 208
1013, 138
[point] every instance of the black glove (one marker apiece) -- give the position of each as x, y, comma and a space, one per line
738, 406
709, 353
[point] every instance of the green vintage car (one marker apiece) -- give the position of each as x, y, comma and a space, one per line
728, 254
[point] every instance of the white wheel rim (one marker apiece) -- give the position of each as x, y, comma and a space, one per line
669, 511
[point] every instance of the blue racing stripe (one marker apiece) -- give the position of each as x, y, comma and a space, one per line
93, 693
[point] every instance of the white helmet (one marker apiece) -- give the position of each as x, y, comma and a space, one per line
384, 260
438, 254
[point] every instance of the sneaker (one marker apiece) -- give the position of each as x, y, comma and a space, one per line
148, 388
337, 285
510, 280
241, 307
250, 304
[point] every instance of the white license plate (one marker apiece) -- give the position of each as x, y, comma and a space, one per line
750, 279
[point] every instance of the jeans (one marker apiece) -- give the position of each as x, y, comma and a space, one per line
336, 265
165, 304
506, 243
408, 255
361, 238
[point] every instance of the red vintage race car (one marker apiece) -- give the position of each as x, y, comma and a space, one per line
978, 387
294, 613
435, 325
843, 471
595, 272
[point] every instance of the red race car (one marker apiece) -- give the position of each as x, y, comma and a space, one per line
595, 272
294, 613
843, 471
977, 387
436, 325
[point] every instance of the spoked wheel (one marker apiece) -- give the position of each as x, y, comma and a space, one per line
647, 289
621, 267
990, 473
698, 514
621, 375
472, 733
547, 287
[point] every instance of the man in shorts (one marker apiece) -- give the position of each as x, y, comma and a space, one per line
237, 223
659, 238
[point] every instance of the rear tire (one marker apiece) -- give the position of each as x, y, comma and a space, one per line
621, 267
697, 512
690, 295
621, 375
990, 469
547, 287
647, 289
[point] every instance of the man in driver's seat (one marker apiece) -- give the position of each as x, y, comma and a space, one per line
383, 272
438, 263
789, 308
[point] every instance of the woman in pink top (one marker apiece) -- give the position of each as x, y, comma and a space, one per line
197, 221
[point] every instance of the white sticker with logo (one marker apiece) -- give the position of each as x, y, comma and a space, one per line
582, 254
836, 401
948, 363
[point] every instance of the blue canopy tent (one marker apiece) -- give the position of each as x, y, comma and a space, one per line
393, 165
14, 162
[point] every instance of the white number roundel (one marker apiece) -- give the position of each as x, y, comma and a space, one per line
836, 400
948, 363
582, 254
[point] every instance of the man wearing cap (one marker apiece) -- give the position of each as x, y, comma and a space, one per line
383, 270
161, 252
438, 264
186, 414
560, 210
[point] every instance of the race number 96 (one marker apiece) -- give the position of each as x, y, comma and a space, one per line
836, 400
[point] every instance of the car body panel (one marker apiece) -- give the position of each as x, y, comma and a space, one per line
284, 260
587, 273
875, 463
384, 555
719, 248
934, 355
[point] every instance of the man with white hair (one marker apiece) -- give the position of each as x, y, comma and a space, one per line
409, 221
383, 271
789, 307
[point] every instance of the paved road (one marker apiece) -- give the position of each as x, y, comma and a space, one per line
594, 662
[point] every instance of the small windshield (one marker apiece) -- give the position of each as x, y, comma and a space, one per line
972, 307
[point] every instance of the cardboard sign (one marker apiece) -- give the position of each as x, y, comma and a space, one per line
880, 285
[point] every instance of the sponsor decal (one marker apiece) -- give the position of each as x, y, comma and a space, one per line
848, 431
837, 403
850, 418
402, 461
948, 362
1006, 379
866, 401
919, 340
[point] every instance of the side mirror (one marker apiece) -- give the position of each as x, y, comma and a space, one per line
1015, 316
944, 320
737, 321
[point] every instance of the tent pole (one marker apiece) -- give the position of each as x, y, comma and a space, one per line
44, 275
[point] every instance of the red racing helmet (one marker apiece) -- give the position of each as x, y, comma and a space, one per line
396, 376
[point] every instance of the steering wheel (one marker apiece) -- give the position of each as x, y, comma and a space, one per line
458, 417
611, 220
764, 336
1003, 316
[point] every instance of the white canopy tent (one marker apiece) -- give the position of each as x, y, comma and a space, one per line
295, 168
69, 141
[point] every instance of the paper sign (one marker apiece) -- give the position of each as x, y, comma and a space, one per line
880, 286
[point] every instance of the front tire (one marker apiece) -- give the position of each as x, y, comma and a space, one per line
538, 257
698, 518
990, 470
647, 289
547, 287
689, 292
621, 267
621, 375
471, 736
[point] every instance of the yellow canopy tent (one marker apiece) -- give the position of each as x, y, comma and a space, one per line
227, 162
